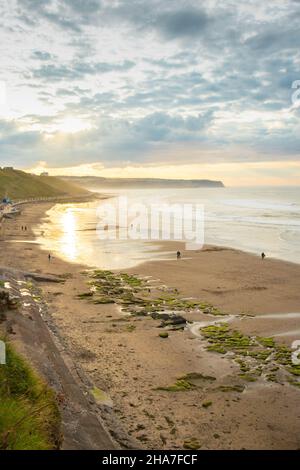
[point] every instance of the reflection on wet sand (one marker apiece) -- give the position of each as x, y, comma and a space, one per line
68, 239
70, 232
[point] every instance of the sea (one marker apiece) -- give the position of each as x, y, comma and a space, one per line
256, 220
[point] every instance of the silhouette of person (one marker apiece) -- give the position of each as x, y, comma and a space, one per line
178, 255
263, 256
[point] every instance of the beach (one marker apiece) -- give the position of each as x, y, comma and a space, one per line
133, 368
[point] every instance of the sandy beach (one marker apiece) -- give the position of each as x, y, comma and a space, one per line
133, 368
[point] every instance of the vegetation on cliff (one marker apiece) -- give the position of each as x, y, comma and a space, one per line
17, 184
29, 416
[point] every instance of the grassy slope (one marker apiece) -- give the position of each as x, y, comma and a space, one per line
29, 416
18, 185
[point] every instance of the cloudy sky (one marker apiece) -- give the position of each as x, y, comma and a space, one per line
173, 88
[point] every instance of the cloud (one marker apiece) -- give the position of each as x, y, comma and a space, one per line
65, 14
42, 55
85, 7
182, 23
274, 39
150, 76
164, 127
78, 70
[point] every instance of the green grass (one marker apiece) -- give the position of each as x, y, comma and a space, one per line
19, 185
29, 416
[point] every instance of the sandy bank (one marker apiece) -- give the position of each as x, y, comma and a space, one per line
126, 358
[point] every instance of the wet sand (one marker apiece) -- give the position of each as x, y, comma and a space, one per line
126, 358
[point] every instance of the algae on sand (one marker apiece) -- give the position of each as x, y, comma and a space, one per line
262, 354
197, 379
101, 397
206, 404
180, 385
163, 334
191, 444
231, 388
126, 289
189, 381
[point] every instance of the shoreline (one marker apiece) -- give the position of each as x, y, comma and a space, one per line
99, 339
170, 247
220, 263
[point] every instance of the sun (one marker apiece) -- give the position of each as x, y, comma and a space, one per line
71, 125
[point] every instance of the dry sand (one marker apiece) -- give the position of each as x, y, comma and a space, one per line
129, 363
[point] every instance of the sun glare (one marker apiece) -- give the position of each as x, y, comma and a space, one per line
70, 125
68, 240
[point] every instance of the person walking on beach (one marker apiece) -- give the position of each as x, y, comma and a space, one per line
178, 255
263, 256
49, 257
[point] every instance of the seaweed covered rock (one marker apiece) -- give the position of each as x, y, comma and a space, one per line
175, 321
4, 300
7, 302
164, 334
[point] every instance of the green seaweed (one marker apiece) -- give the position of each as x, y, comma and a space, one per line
191, 444
231, 388
224, 339
85, 295
243, 366
248, 377
217, 348
271, 377
294, 383
260, 355
197, 379
188, 382
267, 342
206, 404
179, 386
163, 334
132, 281
294, 369
130, 328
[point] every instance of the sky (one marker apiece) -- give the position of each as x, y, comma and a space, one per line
137, 88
